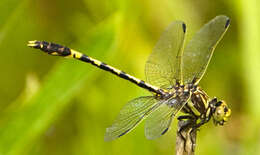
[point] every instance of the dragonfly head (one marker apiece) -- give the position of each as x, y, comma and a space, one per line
221, 112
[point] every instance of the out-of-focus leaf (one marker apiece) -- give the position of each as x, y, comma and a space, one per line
10, 12
251, 37
21, 128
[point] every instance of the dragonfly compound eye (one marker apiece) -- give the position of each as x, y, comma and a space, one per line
221, 113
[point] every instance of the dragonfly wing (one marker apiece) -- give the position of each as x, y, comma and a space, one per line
198, 52
130, 115
163, 66
159, 121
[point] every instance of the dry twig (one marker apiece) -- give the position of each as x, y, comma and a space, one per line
185, 145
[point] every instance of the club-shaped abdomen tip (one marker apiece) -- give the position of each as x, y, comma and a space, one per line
34, 44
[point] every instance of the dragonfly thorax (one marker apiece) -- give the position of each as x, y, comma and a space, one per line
175, 96
201, 107
178, 91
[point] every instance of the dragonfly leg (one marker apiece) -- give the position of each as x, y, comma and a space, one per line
195, 127
185, 117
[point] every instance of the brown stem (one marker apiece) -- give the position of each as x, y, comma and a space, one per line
185, 145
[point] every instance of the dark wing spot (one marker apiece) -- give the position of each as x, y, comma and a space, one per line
164, 131
227, 23
123, 133
184, 27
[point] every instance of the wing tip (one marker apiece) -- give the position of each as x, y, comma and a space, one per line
226, 18
108, 137
150, 136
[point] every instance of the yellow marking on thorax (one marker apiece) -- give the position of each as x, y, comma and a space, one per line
204, 100
199, 89
193, 109
75, 54
208, 112
204, 97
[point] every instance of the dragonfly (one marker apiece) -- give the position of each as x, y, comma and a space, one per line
173, 72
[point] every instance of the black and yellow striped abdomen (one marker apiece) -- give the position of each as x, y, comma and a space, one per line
59, 50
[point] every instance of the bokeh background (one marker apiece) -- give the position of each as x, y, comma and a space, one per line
54, 106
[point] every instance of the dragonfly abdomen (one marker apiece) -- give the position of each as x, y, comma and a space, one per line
59, 50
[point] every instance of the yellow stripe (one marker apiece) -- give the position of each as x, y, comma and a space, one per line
75, 53
98, 63
31, 44
115, 70
137, 80
203, 96
204, 101
78, 55
208, 113
54, 53
156, 88
196, 112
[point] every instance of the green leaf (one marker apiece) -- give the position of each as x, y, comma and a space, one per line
25, 125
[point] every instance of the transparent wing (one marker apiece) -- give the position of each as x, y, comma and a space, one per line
159, 121
198, 52
163, 66
130, 115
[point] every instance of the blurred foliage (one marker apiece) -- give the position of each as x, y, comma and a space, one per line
55, 106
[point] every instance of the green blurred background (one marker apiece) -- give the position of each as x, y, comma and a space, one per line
54, 106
